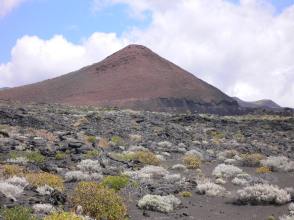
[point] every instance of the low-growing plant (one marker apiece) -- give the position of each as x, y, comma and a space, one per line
99, 202
60, 155
42, 179
146, 157
103, 143
251, 160
92, 154
17, 213
117, 140
12, 170
63, 216
92, 139
186, 194
262, 170
35, 157
115, 182
192, 161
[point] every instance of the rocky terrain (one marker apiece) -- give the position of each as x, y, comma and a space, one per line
62, 162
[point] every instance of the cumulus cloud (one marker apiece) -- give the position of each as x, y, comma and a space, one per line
244, 49
34, 59
6, 6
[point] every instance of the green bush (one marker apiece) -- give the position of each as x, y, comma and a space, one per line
117, 140
92, 154
17, 213
35, 157
192, 161
115, 182
92, 139
99, 202
63, 216
60, 155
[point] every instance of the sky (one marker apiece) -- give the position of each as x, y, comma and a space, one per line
245, 48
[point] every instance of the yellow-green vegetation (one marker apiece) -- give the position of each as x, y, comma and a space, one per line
43, 178
271, 217
216, 134
12, 170
115, 182
17, 213
99, 202
263, 169
252, 160
35, 157
186, 194
239, 136
118, 141
145, 157
60, 155
63, 216
92, 139
92, 154
103, 143
192, 161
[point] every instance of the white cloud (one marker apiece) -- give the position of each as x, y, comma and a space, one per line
246, 50
34, 59
6, 6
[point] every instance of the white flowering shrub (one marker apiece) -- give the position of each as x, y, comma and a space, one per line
148, 173
18, 160
242, 179
43, 208
89, 165
158, 203
10, 191
211, 189
164, 144
44, 190
287, 217
226, 154
77, 175
179, 167
18, 181
226, 171
263, 194
279, 163
195, 153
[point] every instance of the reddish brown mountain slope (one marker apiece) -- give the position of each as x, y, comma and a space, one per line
133, 77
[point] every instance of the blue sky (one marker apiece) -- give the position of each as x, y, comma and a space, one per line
246, 49
74, 19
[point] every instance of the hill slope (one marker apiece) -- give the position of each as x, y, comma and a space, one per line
134, 77
264, 103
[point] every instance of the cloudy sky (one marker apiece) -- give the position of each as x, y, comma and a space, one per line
245, 48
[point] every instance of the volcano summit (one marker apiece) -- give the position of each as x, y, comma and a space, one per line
134, 77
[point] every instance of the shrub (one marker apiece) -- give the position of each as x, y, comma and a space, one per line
103, 143
146, 157
251, 160
115, 182
148, 172
92, 139
211, 189
35, 157
43, 209
17, 181
63, 216
60, 155
262, 170
77, 175
17, 213
99, 202
192, 161
92, 154
226, 171
42, 179
263, 194
89, 165
227, 154
10, 190
158, 203
118, 141
185, 194
279, 163
12, 170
